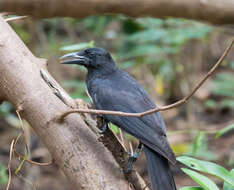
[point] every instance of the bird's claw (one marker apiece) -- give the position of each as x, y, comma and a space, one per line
104, 127
103, 130
131, 160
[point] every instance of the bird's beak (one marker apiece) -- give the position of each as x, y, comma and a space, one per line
74, 58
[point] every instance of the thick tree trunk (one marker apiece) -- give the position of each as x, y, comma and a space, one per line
213, 11
75, 148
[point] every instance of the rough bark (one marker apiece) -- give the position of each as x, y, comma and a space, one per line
75, 148
213, 11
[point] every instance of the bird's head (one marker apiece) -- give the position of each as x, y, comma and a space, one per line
94, 59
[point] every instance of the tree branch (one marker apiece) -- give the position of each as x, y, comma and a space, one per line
157, 109
215, 11
75, 148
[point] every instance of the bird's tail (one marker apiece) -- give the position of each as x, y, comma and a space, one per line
159, 171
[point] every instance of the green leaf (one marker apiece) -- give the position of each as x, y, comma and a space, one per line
223, 85
199, 148
142, 50
227, 186
77, 47
150, 22
227, 103
198, 141
210, 104
224, 130
191, 188
231, 64
5, 108
202, 180
22, 163
114, 128
74, 84
148, 35
3, 174
127, 64
208, 167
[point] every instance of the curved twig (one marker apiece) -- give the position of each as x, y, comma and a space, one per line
9, 165
33, 162
27, 160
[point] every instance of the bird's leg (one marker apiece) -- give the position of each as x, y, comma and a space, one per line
104, 125
133, 158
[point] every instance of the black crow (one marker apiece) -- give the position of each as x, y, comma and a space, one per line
114, 89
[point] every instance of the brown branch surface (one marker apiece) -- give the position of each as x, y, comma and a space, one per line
213, 11
157, 109
75, 148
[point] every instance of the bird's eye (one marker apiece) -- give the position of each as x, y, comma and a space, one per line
163, 134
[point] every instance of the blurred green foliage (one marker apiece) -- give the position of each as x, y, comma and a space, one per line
78, 89
3, 174
5, 108
223, 90
199, 148
191, 188
223, 85
5, 112
77, 47
225, 130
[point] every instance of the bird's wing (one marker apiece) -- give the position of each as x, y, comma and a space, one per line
131, 97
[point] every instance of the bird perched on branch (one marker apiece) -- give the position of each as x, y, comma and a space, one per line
114, 89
